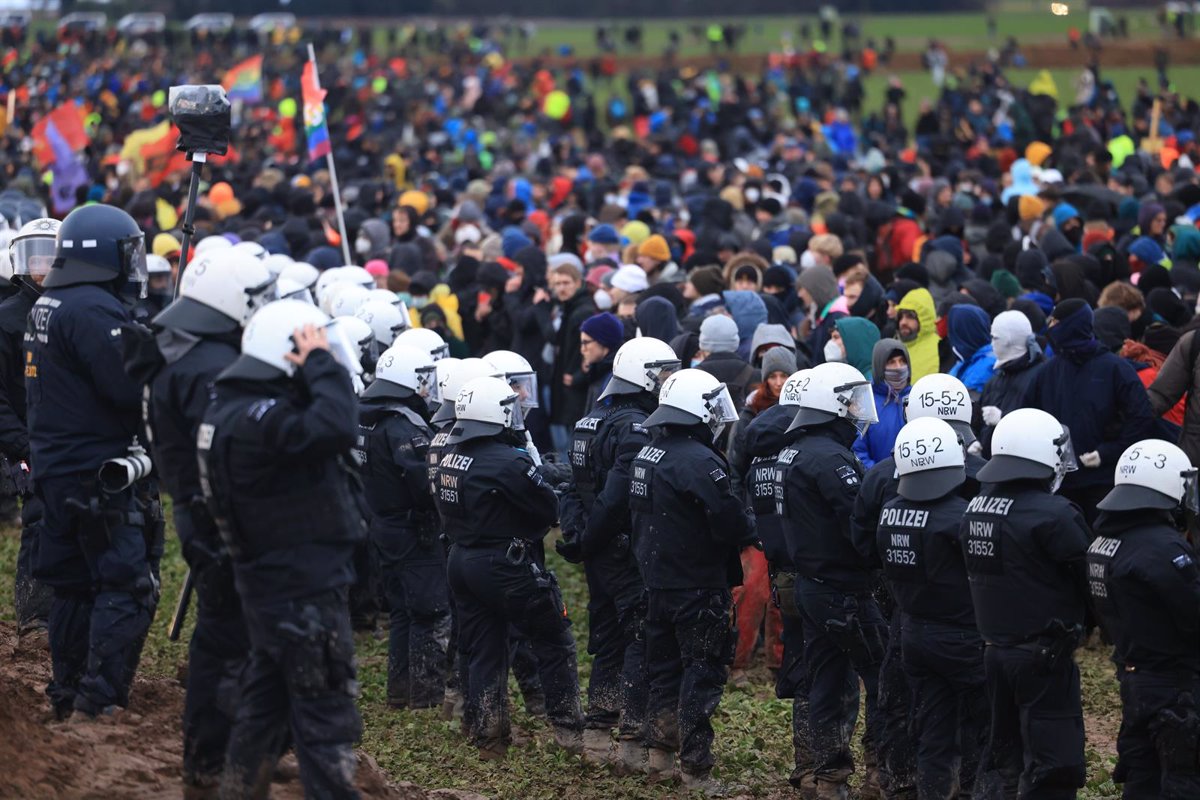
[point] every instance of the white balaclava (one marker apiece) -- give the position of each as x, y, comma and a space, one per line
1011, 333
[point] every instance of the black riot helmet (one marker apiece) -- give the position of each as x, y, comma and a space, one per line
98, 244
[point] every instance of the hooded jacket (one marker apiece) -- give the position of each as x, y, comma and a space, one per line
657, 319
877, 444
773, 335
1095, 393
923, 351
858, 337
1178, 378
971, 339
376, 231
748, 311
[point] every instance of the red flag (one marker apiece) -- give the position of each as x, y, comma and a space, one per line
68, 122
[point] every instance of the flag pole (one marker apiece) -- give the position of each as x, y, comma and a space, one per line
337, 192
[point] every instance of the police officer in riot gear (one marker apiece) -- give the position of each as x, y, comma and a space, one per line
193, 340
596, 530
1145, 586
816, 484
394, 437
494, 507
936, 396
95, 548
272, 452
941, 652
1025, 550
688, 529
31, 252
765, 436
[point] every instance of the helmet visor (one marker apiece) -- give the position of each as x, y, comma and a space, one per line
860, 404
721, 410
32, 256
264, 293
440, 352
526, 386
345, 350
132, 250
513, 414
1066, 459
427, 384
659, 371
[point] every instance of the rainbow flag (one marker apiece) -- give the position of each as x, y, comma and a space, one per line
244, 81
315, 129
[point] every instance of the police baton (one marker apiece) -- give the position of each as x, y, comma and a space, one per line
181, 607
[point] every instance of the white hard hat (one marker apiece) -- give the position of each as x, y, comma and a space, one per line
452, 375
402, 372
942, 397
347, 301
425, 339
514, 368
691, 397
836, 390
793, 388
641, 365
929, 459
384, 318
218, 293
31, 249
277, 262
252, 248
302, 273
1152, 474
268, 337
1030, 444
213, 242
288, 289
484, 407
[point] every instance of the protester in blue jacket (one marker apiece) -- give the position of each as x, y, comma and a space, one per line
971, 340
1097, 395
893, 380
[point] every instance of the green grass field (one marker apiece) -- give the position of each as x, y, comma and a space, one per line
753, 729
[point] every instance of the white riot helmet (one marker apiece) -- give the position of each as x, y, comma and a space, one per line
268, 339
691, 397
159, 280
219, 293
641, 365
793, 388
346, 301
363, 337
943, 397
513, 368
1029, 444
277, 262
210, 243
452, 375
252, 249
31, 249
485, 407
930, 461
836, 391
1152, 474
326, 281
358, 276
288, 289
402, 372
386, 296
384, 318
426, 340
304, 274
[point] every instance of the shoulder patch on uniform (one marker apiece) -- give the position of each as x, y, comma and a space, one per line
260, 408
1182, 561
419, 441
638, 427
847, 475
717, 475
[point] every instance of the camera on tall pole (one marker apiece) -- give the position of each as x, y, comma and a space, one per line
203, 115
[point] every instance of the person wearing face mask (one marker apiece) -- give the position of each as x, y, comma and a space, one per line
1018, 359
273, 452
1096, 394
374, 241
916, 326
851, 342
892, 383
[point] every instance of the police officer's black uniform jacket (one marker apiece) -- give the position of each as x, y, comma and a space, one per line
488, 492
1025, 551
1145, 586
923, 560
605, 443
83, 408
688, 526
180, 368
881, 485
393, 445
817, 480
273, 461
763, 438
14, 315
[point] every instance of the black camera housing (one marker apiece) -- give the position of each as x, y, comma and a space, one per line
203, 115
